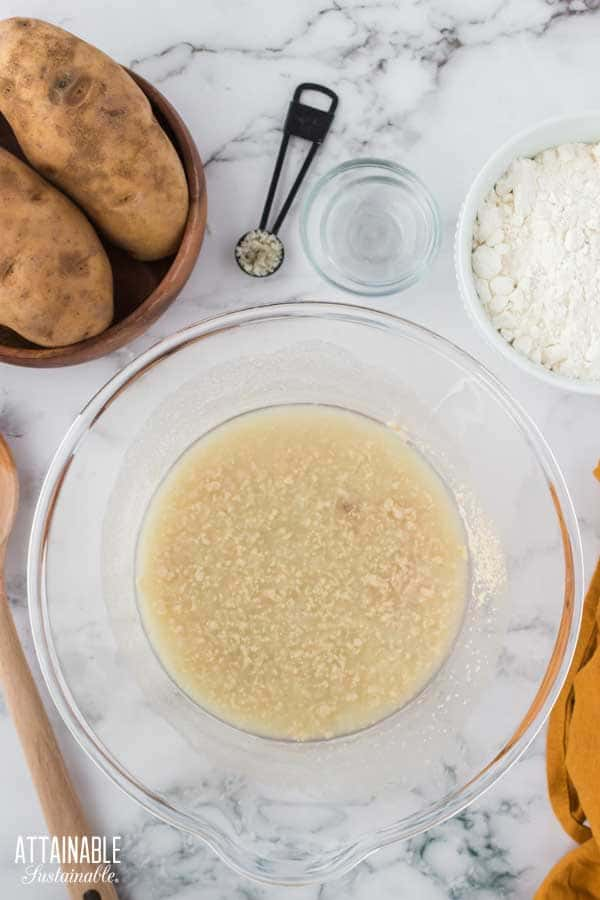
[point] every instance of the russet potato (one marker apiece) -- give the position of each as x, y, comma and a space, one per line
86, 126
56, 284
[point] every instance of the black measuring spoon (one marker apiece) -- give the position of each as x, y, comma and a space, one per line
260, 252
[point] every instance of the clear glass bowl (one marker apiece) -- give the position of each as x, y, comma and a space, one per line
281, 811
371, 227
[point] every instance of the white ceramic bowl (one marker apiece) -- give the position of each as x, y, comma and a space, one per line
560, 130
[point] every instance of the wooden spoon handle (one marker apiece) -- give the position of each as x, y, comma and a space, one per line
60, 804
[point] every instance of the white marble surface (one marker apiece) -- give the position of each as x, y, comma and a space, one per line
437, 85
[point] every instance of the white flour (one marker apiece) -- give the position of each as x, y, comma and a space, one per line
536, 258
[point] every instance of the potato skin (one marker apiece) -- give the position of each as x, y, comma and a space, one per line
85, 125
56, 284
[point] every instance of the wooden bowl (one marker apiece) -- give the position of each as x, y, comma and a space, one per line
142, 290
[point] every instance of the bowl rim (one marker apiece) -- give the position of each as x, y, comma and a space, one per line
335, 862
352, 286
484, 180
173, 280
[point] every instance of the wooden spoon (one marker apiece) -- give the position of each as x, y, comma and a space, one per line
60, 804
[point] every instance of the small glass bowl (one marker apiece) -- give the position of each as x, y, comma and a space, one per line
370, 227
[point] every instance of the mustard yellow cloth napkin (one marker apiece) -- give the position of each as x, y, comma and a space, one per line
573, 763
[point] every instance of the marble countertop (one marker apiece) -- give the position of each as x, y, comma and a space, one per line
436, 85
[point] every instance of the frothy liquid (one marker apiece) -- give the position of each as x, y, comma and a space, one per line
302, 572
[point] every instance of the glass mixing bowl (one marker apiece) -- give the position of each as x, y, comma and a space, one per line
281, 811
